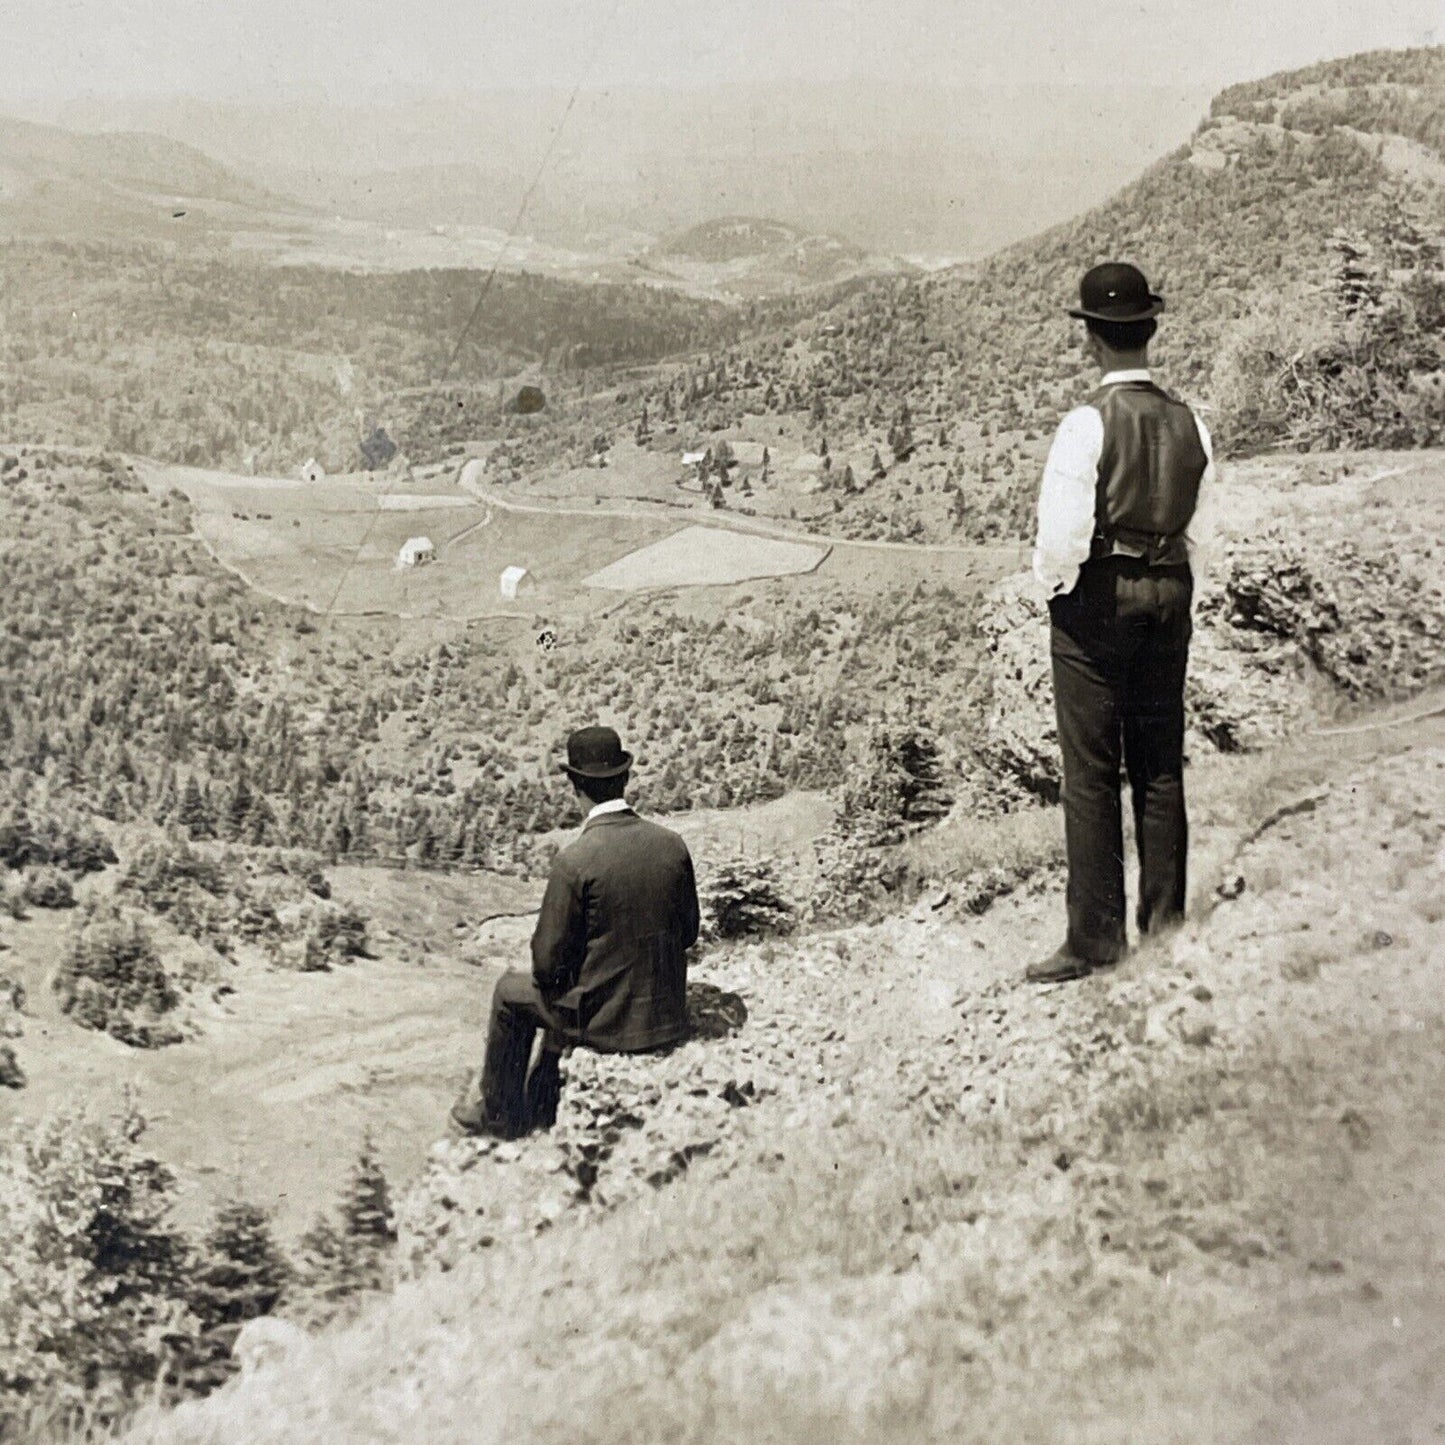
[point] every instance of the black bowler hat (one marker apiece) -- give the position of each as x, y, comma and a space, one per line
1116, 291
595, 753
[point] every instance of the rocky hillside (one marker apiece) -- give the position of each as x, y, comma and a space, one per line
894, 1182
884, 1176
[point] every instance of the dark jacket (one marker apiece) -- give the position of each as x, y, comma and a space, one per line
610, 951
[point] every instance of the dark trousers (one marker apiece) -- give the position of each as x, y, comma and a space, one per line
1120, 645
511, 1097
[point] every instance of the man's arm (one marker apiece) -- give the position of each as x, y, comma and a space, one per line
559, 942
1067, 499
691, 921
1200, 533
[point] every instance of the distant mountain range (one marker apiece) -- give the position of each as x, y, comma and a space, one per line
57, 181
921, 170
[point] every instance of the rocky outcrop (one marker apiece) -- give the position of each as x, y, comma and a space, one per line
1289, 625
1368, 615
625, 1124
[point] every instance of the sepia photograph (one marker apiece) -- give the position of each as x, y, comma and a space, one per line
722, 723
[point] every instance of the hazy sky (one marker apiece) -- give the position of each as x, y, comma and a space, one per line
372, 49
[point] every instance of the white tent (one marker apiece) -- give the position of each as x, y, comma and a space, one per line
313, 471
416, 552
514, 580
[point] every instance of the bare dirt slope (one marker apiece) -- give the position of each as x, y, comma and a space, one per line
1191, 1199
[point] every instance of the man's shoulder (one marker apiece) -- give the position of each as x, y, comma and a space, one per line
1081, 427
605, 836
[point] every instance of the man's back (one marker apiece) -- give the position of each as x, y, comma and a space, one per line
1151, 462
610, 949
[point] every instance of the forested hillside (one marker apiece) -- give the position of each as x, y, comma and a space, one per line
1309, 205
1296, 238
220, 362
193, 702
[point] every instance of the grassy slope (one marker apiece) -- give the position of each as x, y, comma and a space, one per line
1172, 1203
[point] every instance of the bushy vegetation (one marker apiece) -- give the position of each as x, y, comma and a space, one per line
347, 1252
1365, 369
111, 978
45, 832
219, 361
744, 898
105, 1300
48, 887
93, 1268
336, 936
896, 785
174, 713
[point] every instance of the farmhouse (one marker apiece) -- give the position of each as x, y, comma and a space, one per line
416, 552
313, 471
515, 580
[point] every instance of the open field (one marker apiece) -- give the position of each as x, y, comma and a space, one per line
707, 557
331, 546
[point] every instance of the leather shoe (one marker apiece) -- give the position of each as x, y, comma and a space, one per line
1058, 967
472, 1119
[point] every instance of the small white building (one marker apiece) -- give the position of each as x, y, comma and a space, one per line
693, 459
313, 471
514, 580
416, 552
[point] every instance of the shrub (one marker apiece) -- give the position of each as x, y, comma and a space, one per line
240, 1275
111, 979
1287, 375
12, 898
348, 1254
743, 899
55, 836
335, 937
897, 786
12, 1076
92, 1272
48, 887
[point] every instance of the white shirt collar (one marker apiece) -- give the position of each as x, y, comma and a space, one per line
1134, 373
612, 805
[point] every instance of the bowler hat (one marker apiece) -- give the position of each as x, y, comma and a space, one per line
595, 753
1116, 291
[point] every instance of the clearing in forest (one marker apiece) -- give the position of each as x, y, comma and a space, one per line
708, 557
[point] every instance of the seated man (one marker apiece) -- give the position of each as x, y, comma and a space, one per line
609, 955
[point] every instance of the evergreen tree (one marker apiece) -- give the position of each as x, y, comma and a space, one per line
346, 1255
241, 1272
192, 813
237, 810
366, 1205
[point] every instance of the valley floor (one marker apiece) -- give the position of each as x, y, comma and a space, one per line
1195, 1198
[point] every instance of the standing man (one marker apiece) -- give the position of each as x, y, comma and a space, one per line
609, 954
1121, 529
